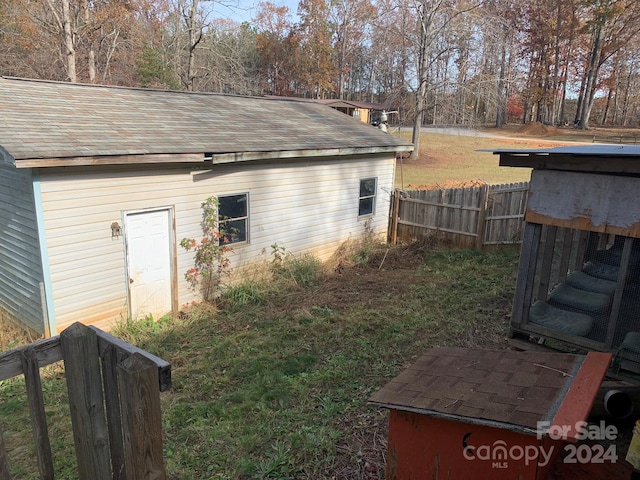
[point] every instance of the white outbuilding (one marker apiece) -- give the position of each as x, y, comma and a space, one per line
99, 184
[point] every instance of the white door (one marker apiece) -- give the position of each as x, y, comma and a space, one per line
148, 237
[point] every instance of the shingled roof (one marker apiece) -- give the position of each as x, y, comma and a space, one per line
55, 120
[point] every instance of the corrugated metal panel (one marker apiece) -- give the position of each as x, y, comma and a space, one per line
304, 207
21, 271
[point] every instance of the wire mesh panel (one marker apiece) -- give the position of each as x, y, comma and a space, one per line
583, 287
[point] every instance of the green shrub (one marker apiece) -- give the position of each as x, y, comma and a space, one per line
303, 270
243, 294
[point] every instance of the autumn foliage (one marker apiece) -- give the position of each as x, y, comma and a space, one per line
557, 62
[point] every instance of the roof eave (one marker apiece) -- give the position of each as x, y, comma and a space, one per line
218, 158
215, 158
135, 159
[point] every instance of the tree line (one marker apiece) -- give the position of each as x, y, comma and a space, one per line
462, 62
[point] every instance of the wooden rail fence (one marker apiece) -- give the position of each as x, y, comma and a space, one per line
466, 217
114, 402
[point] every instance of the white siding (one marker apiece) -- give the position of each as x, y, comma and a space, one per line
20, 264
303, 206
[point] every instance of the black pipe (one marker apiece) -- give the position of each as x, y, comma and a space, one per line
618, 404
616, 400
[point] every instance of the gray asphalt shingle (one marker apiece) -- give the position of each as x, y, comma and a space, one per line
40, 119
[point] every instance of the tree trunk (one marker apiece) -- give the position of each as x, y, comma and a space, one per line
556, 69
592, 73
606, 106
69, 42
194, 39
581, 98
421, 95
91, 54
501, 108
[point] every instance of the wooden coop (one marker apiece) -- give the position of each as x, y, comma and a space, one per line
485, 414
579, 272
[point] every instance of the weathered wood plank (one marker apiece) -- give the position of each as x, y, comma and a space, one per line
481, 222
517, 216
547, 262
526, 273
31, 371
565, 257
454, 206
112, 403
47, 351
582, 342
453, 214
84, 384
426, 227
124, 349
619, 292
141, 418
112, 160
4, 460
581, 247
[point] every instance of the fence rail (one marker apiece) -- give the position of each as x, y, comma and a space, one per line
114, 403
467, 217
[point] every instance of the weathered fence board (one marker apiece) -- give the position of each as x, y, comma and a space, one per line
84, 384
104, 415
4, 460
37, 413
47, 350
114, 412
472, 216
141, 419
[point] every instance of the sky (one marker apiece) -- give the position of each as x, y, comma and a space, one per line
245, 10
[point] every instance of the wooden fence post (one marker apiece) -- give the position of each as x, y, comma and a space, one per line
31, 371
395, 213
84, 384
4, 462
141, 418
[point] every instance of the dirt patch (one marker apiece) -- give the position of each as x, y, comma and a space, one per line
385, 273
529, 143
537, 129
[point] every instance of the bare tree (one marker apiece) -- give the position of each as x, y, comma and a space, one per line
611, 25
434, 16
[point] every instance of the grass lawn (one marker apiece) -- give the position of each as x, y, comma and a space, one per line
446, 159
275, 382
450, 158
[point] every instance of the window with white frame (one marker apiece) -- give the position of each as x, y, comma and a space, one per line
233, 218
367, 199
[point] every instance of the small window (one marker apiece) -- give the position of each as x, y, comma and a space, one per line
367, 200
233, 218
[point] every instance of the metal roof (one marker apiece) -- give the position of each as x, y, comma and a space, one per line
55, 120
578, 150
609, 159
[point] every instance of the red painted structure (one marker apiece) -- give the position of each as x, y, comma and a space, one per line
474, 414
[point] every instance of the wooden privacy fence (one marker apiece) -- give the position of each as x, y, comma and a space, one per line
466, 217
114, 403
